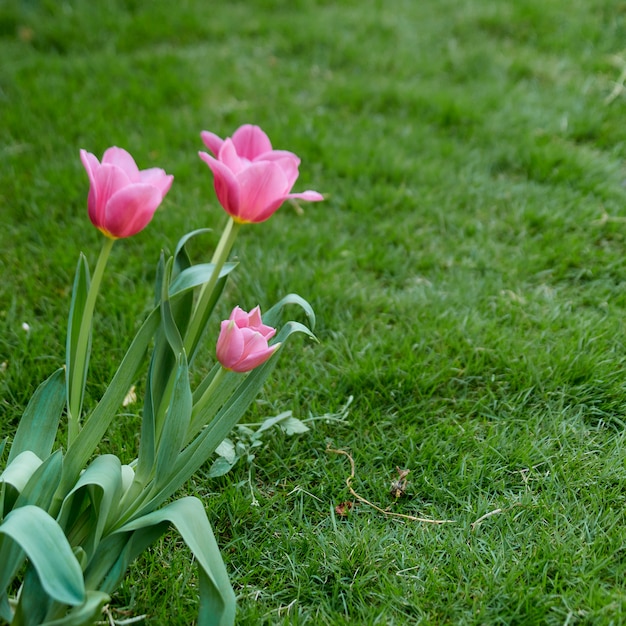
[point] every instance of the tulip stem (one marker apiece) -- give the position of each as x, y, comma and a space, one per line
202, 310
196, 422
81, 357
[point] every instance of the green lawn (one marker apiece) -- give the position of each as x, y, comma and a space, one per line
467, 269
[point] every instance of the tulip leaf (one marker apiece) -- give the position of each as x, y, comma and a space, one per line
15, 477
175, 424
86, 613
40, 488
185, 238
272, 316
217, 599
38, 426
204, 411
45, 545
33, 601
158, 281
115, 553
101, 483
77, 309
167, 320
96, 425
197, 275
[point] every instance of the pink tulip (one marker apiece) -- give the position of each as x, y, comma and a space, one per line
242, 343
122, 199
251, 179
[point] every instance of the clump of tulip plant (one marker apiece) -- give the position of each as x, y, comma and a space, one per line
71, 520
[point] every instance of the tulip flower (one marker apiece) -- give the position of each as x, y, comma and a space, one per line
122, 199
242, 342
251, 179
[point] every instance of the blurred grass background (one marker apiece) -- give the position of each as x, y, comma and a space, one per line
467, 269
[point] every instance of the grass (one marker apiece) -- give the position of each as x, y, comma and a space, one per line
467, 270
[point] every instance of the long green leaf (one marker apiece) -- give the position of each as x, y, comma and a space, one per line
204, 412
175, 424
15, 478
272, 316
217, 599
6, 613
96, 425
40, 488
44, 542
103, 480
77, 309
86, 613
182, 242
115, 553
195, 276
33, 600
38, 426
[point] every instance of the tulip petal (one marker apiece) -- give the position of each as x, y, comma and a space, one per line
239, 316
287, 161
226, 187
309, 196
254, 317
254, 321
230, 344
250, 141
261, 185
229, 157
130, 210
254, 360
157, 177
212, 141
90, 163
108, 179
123, 160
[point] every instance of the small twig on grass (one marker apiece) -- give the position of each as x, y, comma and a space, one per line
111, 621
377, 508
482, 518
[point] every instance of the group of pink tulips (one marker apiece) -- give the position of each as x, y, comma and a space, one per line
74, 517
252, 180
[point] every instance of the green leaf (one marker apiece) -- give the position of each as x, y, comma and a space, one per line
221, 466
96, 425
158, 281
204, 411
33, 601
167, 321
38, 426
226, 449
286, 421
217, 599
102, 480
293, 426
77, 309
175, 424
115, 553
195, 276
272, 316
45, 545
14, 479
185, 238
40, 488
86, 613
